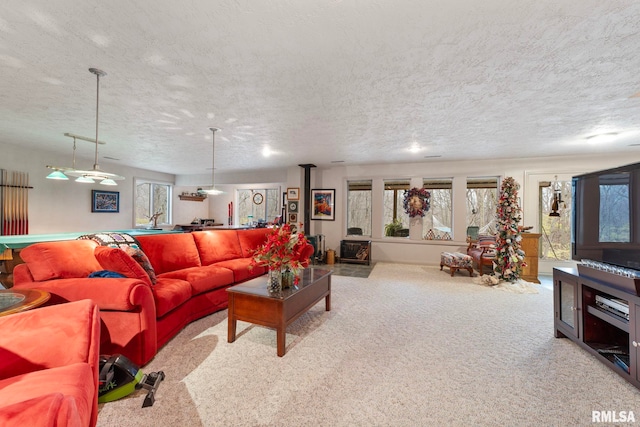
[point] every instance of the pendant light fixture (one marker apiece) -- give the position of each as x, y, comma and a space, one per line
95, 174
213, 190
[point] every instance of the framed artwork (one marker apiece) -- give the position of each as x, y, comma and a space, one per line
105, 201
323, 204
292, 206
293, 218
293, 193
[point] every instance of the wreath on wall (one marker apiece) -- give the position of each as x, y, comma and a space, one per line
416, 202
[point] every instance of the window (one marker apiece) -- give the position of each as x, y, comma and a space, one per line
555, 242
482, 201
396, 220
438, 217
152, 198
359, 207
258, 205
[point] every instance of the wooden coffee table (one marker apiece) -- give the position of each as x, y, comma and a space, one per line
252, 302
17, 300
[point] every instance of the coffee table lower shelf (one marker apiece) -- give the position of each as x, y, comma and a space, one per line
252, 302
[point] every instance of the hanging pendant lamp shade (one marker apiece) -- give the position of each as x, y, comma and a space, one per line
213, 190
57, 174
95, 174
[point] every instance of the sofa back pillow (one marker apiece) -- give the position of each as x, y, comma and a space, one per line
217, 245
170, 252
118, 260
251, 239
61, 260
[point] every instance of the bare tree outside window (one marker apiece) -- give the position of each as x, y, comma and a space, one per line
482, 201
438, 217
266, 211
555, 240
396, 220
152, 198
359, 207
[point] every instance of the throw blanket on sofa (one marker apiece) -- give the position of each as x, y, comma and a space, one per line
115, 240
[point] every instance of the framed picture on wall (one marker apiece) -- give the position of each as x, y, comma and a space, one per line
293, 218
293, 193
105, 201
323, 204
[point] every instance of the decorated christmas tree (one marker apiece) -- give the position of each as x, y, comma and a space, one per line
510, 256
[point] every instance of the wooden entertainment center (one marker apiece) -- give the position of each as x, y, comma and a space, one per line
589, 309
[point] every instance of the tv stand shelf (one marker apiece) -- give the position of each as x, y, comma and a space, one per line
609, 318
608, 336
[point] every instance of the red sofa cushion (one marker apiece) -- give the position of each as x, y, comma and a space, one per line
203, 279
61, 260
118, 260
169, 293
170, 252
251, 239
217, 245
35, 388
241, 270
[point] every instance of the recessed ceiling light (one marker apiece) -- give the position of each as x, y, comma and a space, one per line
431, 157
602, 137
634, 145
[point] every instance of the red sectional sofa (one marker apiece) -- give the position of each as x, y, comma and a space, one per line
49, 361
138, 316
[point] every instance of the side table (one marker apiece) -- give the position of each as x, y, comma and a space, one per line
17, 300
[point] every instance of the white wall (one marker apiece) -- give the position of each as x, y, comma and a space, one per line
527, 172
65, 206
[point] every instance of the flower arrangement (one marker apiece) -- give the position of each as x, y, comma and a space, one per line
416, 202
282, 251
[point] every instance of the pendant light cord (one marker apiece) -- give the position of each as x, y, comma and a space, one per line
96, 166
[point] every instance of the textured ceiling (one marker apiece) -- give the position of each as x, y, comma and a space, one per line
320, 81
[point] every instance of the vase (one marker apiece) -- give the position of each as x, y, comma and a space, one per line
274, 283
287, 278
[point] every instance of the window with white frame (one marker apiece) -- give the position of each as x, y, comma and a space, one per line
437, 220
482, 201
258, 205
359, 207
396, 220
152, 198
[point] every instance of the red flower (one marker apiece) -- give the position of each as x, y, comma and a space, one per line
281, 251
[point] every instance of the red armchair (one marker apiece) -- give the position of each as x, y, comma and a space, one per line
483, 252
49, 361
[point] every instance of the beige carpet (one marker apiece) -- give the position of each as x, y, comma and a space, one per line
408, 346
